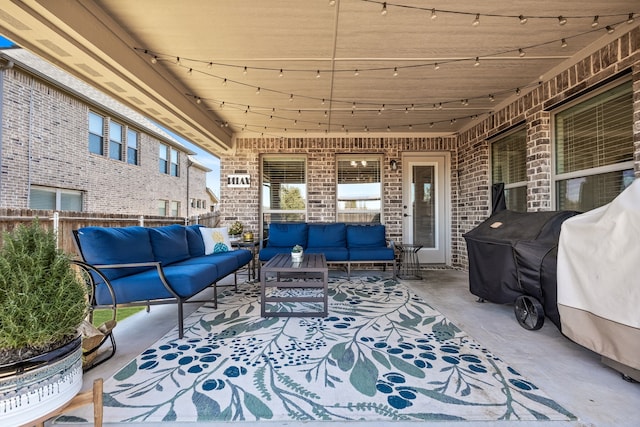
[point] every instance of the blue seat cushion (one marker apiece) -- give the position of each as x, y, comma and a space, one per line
366, 236
270, 251
371, 254
327, 235
194, 239
330, 253
186, 280
287, 234
116, 245
226, 262
169, 243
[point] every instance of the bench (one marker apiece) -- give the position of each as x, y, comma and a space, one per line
143, 266
341, 243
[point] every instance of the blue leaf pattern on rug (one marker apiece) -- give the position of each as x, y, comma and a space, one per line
382, 353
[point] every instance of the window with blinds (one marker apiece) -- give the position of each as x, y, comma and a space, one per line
359, 188
55, 199
594, 149
509, 166
284, 189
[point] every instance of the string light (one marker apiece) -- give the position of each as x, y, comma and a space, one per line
395, 72
562, 20
154, 60
190, 72
258, 91
210, 65
477, 61
383, 12
434, 15
318, 74
476, 21
563, 43
521, 53
610, 29
436, 66
356, 72
630, 19
523, 19
594, 24
281, 74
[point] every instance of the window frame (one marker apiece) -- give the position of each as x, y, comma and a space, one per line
101, 136
116, 143
58, 196
356, 160
133, 151
493, 141
556, 177
269, 211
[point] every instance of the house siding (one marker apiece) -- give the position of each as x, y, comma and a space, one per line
45, 143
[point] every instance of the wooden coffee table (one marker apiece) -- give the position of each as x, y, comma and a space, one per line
310, 273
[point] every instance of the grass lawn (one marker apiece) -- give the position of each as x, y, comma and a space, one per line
102, 315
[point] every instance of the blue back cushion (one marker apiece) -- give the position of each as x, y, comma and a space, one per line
116, 245
194, 240
287, 235
169, 243
366, 236
328, 235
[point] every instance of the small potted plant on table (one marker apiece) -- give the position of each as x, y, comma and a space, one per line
296, 253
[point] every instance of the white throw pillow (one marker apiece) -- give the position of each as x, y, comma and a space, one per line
215, 240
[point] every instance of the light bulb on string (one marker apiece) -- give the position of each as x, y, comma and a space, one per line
610, 29
563, 43
630, 19
562, 20
523, 19
395, 71
521, 53
475, 64
318, 74
434, 15
594, 24
281, 73
436, 66
356, 72
210, 65
224, 82
154, 60
476, 21
258, 91
190, 72
383, 12
245, 71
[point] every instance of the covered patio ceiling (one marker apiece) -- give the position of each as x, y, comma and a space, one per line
212, 70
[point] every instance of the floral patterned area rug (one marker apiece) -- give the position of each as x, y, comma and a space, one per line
382, 353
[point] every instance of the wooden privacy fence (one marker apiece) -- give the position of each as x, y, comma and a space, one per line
63, 222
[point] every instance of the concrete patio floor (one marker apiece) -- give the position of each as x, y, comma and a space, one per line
568, 373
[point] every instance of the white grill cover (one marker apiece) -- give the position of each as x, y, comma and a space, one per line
598, 276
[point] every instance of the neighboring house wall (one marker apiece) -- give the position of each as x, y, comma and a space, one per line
470, 191
45, 143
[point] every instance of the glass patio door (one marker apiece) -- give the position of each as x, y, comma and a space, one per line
424, 207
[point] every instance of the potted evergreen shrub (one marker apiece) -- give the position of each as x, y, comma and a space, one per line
42, 304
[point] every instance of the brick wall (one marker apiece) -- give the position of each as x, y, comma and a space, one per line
45, 142
470, 192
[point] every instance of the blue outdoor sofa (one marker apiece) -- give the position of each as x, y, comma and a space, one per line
341, 243
145, 266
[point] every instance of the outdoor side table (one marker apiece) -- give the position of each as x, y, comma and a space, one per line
409, 266
254, 247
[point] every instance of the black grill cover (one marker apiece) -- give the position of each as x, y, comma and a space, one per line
514, 253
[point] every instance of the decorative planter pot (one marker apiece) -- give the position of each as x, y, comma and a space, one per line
296, 256
33, 388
